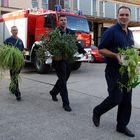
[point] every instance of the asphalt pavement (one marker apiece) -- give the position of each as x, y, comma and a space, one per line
37, 117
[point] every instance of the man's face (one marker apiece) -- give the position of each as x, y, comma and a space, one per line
14, 31
62, 22
124, 16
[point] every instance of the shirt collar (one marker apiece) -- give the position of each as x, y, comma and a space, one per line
118, 26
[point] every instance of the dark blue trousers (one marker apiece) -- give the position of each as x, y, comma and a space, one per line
117, 96
63, 70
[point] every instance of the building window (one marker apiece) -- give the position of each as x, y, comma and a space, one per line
116, 10
133, 13
75, 5
101, 14
66, 5
94, 8
5, 3
45, 4
34, 3
111, 6
138, 14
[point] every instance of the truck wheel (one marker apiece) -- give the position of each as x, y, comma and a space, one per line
41, 67
76, 65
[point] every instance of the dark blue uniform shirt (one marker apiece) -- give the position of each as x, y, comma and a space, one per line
113, 38
15, 42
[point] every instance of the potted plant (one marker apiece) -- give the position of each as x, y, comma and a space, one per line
59, 46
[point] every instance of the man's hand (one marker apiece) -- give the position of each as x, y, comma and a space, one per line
119, 59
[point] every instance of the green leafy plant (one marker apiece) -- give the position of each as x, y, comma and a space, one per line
11, 58
59, 46
13, 83
131, 59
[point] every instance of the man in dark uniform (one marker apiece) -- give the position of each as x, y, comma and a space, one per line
63, 69
117, 36
15, 41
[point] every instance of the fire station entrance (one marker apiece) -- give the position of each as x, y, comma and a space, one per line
99, 25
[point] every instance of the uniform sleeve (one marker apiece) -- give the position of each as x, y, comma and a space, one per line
5, 42
20, 45
132, 42
8, 42
107, 40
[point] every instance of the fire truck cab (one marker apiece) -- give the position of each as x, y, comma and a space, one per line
32, 23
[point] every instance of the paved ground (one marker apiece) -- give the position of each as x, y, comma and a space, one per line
37, 117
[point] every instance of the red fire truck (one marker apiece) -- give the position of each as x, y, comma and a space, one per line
32, 23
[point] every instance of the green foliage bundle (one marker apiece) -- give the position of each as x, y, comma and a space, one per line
60, 45
41, 53
13, 83
131, 59
11, 58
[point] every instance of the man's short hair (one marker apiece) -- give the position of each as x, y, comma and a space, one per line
13, 27
62, 15
123, 7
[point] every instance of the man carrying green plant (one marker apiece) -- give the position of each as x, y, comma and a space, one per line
61, 63
14, 41
117, 36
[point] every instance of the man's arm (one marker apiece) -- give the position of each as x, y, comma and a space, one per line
6, 41
108, 53
106, 44
20, 45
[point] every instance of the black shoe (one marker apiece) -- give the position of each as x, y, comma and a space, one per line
67, 108
126, 131
18, 96
96, 119
54, 98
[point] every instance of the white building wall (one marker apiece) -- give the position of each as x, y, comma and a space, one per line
24, 4
5, 28
1, 36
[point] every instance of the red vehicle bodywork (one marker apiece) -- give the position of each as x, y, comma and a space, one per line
96, 56
35, 24
31, 24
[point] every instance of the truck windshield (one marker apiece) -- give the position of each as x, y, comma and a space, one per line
77, 24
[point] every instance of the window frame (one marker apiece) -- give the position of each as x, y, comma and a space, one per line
5, 3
